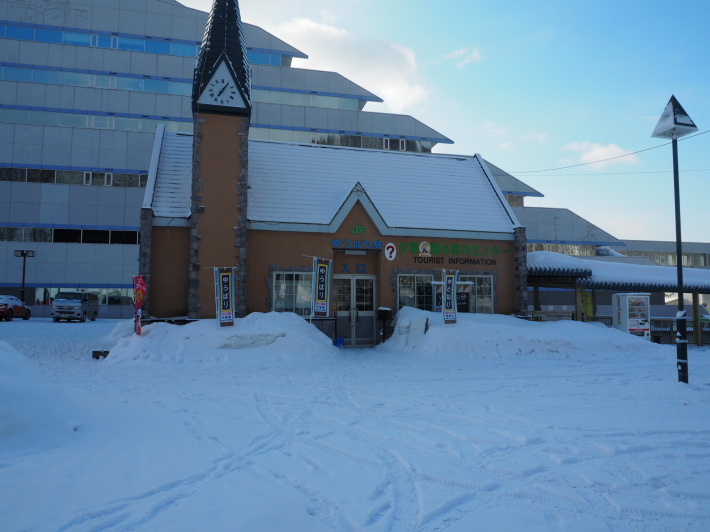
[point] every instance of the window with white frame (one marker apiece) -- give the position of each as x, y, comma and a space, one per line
481, 293
292, 292
415, 291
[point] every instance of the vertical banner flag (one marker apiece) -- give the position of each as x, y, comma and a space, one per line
139, 289
321, 287
224, 296
449, 296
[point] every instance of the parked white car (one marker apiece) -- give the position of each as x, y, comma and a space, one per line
75, 306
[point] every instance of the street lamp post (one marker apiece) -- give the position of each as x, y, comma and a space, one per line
675, 123
24, 253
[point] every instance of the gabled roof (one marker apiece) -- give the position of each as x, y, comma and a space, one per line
306, 184
602, 275
304, 187
170, 177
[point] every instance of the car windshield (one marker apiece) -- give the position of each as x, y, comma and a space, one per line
69, 295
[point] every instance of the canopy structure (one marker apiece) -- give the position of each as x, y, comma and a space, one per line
554, 270
562, 270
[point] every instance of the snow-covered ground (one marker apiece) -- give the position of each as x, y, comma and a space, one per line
493, 423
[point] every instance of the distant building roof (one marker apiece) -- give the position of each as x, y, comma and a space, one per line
305, 81
511, 185
666, 246
343, 121
545, 225
261, 40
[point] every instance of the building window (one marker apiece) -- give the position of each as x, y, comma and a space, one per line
38, 234
480, 299
71, 236
124, 237
11, 234
40, 176
93, 236
12, 174
415, 291
292, 292
69, 177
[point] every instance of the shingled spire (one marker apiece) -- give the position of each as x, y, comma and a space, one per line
222, 80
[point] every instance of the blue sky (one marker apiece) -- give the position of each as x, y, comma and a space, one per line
534, 86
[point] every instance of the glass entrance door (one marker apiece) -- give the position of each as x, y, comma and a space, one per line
354, 297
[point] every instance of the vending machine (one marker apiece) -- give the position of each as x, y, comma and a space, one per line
631, 313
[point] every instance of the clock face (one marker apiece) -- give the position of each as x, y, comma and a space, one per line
222, 91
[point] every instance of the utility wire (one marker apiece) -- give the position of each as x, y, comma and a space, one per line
626, 173
608, 159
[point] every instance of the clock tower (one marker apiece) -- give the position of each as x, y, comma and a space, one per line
221, 104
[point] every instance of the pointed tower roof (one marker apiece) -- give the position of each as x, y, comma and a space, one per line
223, 43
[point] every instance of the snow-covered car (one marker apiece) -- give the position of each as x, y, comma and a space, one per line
12, 307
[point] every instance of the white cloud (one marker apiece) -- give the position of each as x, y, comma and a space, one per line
601, 156
386, 69
465, 56
492, 129
535, 137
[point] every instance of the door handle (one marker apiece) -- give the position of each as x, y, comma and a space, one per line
353, 317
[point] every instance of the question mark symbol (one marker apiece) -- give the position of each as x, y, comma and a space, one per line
390, 249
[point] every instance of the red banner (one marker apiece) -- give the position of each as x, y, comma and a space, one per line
139, 289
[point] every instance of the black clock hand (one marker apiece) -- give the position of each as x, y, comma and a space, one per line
220, 92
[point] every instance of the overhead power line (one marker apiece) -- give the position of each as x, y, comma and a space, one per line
626, 173
607, 159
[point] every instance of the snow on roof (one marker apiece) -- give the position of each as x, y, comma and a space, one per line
307, 184
556, 264
617, 276
173, 182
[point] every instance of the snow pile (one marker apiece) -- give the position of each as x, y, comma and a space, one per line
274, 333
497, 336
494, 423
33, 412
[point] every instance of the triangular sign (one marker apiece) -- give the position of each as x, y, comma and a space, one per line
674, 122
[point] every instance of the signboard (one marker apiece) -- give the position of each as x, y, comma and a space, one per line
139, 290
322, 269
449, 296
224, 295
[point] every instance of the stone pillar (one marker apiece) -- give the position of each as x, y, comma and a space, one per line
145, 254
521, 270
